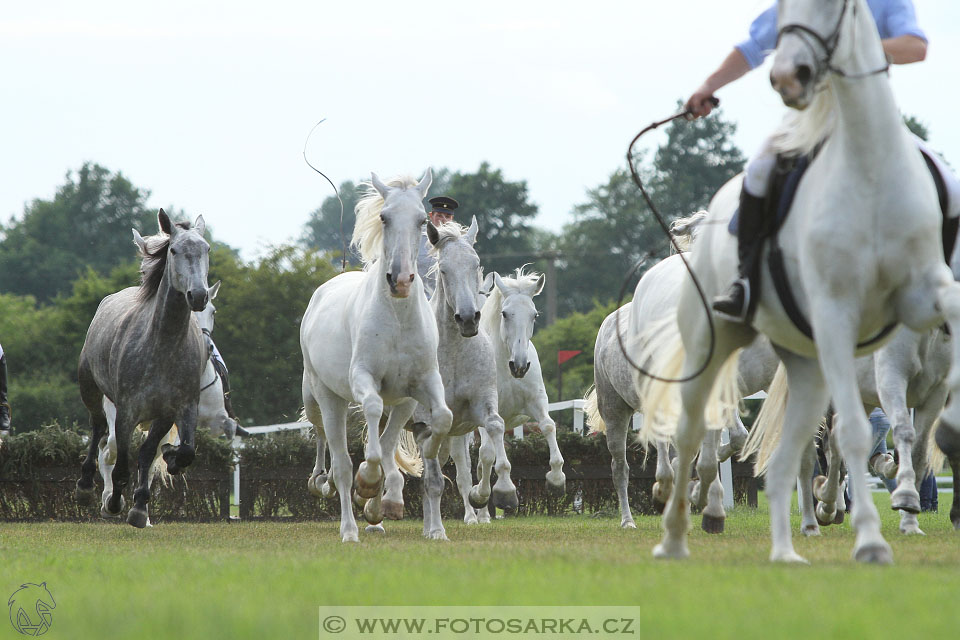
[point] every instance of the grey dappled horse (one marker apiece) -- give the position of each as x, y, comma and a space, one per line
145, 353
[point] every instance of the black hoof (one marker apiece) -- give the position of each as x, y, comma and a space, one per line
85, 497
506, 500
659, 506
476, 501
838, 519
137, 517
712, 524
556, 491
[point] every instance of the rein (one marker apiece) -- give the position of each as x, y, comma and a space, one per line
643, 259
829, 46
343, 241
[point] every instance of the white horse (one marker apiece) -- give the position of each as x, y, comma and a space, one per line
369, 337
213, 412
610, 405
468, 370
883, 265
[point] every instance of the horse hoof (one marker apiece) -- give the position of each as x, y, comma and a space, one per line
628, 524
392, 510
667, 552
475, 499
137, 517
907, 500
328, 490
693, 490
712, 524
810, 530
506, 500
838, 519
359, 501
364, 488
556, 484
350, 537
437, 534
105, 509
826, 518
375, 528
315, 484
372, 512
878, 553
791, 557
85, 497
659, 506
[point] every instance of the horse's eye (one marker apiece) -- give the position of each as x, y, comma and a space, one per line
173, 251
382, 219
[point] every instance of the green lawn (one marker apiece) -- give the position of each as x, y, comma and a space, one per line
266, 580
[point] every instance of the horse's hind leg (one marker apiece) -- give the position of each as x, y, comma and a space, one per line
317, 483
709, 482
808, 518
392, 501
826, 489
93, 401
738, 437
616, 414
663, 484
892, 391
925, 416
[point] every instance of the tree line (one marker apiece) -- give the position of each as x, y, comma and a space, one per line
62, 256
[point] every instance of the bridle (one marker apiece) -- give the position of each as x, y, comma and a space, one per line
829, 45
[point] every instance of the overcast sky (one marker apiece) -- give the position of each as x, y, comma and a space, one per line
208, 104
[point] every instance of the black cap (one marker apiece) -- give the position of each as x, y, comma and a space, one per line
443, 204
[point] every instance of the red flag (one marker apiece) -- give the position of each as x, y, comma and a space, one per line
563, 356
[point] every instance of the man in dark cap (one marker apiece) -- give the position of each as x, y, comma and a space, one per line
441, 211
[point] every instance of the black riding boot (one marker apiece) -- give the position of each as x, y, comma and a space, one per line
4, 403
735, 303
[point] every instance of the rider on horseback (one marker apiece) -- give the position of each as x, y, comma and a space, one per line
903, 42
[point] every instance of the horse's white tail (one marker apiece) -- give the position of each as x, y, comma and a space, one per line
765, 433
661, 352
935, 458
408, 455
591, 409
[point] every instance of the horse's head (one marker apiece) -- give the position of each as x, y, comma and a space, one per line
517, 316
206, 317
814, 37
402, 218
183, 257
459, 272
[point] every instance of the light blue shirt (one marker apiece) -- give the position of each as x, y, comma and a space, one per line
894, 18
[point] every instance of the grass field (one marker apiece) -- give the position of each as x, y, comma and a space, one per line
266, 580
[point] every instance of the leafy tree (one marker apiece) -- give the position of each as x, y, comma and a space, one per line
917, 127
575, 331
614, 228
87, 224
323, 229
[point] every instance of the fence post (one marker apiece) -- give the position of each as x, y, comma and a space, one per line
726, 472
237, 445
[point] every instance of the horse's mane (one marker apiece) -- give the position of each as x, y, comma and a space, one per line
525, 283
447, 231
684, 230
368, 229
801, 131
154, 262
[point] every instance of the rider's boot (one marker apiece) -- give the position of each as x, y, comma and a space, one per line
734, 304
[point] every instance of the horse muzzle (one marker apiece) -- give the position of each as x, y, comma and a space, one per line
518, 372
794, 81
400, 288
197, 299
470, 326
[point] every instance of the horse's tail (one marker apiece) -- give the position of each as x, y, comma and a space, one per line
591, 408
765, 433
158, 469
408, 455
661, 352
935, 458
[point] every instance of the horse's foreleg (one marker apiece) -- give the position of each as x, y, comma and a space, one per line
556, 479
431, 489
663, 485
738, 437
709, 490
948, 433
806, 403
369, 478
138, 515
892, 391
808, 517
827, 489
837, 327
504, 493
430, 395
393, 480
460, 452
334, 414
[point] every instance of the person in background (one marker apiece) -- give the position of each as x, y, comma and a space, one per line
441, 211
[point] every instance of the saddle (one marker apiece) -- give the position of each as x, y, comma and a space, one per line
783, 189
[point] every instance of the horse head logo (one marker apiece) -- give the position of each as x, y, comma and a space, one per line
31, 609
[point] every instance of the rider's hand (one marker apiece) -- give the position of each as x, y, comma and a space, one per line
699, 103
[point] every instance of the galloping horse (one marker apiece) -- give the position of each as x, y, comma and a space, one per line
862, 253
144, 353
369, 337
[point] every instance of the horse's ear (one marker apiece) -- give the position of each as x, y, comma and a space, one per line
379, 185
165, 225
139, 241
542, 280
499, 282
487, 286
200, 225
424, 185
432, 234
212, 291
472, 231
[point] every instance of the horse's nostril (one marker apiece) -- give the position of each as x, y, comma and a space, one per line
804, 74
456, 317
411, 277
476, 317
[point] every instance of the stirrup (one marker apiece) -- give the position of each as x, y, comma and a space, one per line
727, 307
